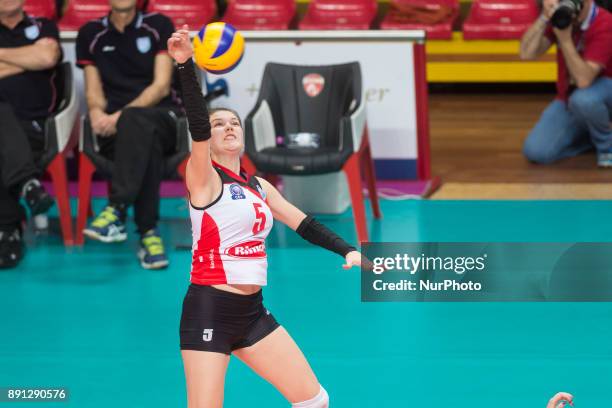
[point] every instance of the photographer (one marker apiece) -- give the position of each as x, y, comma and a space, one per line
579, 118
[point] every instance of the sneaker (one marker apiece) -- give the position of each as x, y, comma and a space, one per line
152, 254
107, 227
11, 247
604, 160
35, 196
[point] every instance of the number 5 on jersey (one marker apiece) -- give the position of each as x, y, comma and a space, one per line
260, 219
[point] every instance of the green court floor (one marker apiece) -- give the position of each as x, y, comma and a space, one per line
92, 320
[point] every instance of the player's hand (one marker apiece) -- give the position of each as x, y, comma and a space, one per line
179, 46
109, 127
354, 258
99, 120
560, 399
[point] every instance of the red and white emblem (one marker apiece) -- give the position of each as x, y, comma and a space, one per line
313, 84
249, 249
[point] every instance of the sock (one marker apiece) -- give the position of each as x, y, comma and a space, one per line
321, 400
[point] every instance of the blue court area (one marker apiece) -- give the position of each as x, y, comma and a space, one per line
92, 320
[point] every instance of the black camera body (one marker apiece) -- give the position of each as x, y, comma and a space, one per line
566, 12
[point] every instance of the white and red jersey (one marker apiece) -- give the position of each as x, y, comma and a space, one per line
229, 234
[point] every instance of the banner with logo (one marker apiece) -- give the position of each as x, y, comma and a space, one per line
388, 70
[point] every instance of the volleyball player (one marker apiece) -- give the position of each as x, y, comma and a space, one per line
231, 215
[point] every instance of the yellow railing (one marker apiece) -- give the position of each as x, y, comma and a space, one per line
458, 60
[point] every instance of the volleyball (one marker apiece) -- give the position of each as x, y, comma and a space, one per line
218, 48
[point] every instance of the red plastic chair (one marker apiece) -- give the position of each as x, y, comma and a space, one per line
439, 31
59, 141
260, 14
40, 8
195, 13
339, 15
499, 19
80, 12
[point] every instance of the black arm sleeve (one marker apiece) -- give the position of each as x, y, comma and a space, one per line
316, 233
195, 105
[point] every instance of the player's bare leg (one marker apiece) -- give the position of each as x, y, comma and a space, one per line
279, 360
205, 376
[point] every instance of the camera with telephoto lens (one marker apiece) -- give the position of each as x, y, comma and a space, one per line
566, 12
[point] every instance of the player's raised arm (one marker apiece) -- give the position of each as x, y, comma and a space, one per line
199, 168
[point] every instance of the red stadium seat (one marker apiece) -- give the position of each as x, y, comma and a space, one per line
260, 14
339, 15
499, 19
194, 13
441, 30
40, 8
80, 12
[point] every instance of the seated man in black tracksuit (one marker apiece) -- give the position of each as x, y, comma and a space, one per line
133, 110
29, 52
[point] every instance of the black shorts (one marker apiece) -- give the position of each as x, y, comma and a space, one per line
221, 321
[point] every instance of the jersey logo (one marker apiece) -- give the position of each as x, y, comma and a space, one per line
237, 192
249, 249
207, 334
32, 32
108, 48
143, 44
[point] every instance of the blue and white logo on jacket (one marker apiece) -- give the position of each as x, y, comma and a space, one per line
237, 192
32, 32
143, 44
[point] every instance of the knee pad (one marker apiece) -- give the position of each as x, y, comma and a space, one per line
321, 400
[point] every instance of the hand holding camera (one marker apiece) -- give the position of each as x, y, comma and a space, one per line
565, 12
548, 9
